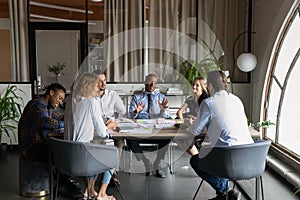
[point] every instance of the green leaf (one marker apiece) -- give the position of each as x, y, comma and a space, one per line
10, 109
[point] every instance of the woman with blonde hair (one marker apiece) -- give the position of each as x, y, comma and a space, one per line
193, 104
87, 115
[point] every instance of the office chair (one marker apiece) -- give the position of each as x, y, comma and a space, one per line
239, 162
80, 159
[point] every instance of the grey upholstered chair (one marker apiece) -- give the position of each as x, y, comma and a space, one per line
80, 159
238, 162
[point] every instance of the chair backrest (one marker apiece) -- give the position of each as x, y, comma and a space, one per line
82, 159
237, 162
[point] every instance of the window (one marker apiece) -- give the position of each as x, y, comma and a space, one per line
282, 88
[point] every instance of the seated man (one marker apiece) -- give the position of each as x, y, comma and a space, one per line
150, 104
111, 106
37, 120
224, 117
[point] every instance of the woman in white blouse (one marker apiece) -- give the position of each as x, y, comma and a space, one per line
84, 109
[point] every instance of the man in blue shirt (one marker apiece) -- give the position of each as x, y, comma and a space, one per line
149, 104
223, 115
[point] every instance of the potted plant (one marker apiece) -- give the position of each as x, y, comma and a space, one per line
261, 124
57, 69
10, 111
190, 69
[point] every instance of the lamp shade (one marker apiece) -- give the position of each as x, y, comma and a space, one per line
96, 0
246, 62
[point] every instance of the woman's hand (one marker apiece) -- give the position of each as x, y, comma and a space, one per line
190, 120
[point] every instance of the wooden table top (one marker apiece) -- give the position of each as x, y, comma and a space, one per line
168, 133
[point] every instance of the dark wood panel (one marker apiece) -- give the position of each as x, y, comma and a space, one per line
97, 8
4, 11
70, 3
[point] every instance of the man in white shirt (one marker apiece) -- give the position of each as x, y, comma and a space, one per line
224, 117
110, 102
111, 106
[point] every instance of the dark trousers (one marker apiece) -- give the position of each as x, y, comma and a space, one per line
38, 152
218, 183
134, 145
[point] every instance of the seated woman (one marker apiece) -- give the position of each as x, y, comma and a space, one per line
84, 109
193, 104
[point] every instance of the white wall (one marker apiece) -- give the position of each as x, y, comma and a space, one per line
57, 46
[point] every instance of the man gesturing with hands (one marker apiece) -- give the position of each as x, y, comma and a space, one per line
149, 104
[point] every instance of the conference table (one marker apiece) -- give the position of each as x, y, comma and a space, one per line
167, 133
171, 132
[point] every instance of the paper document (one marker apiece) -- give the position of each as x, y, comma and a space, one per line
128, 126
124, 120
140, 130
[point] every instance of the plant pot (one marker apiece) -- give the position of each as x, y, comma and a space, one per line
3, 152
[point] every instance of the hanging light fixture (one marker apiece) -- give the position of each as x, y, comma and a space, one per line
246, 62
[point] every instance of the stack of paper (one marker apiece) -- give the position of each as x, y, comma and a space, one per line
174, 91
165, 123
128, 126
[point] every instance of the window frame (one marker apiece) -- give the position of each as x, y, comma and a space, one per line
272, 79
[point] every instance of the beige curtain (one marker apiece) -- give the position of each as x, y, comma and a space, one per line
226, 19
177, 30
19, 44
171, 35
124, 40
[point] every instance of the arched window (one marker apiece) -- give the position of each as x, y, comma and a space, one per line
282, 94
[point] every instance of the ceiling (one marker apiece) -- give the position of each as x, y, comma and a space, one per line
97, 8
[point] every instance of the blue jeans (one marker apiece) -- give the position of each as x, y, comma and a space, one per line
218, 183
106, 176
